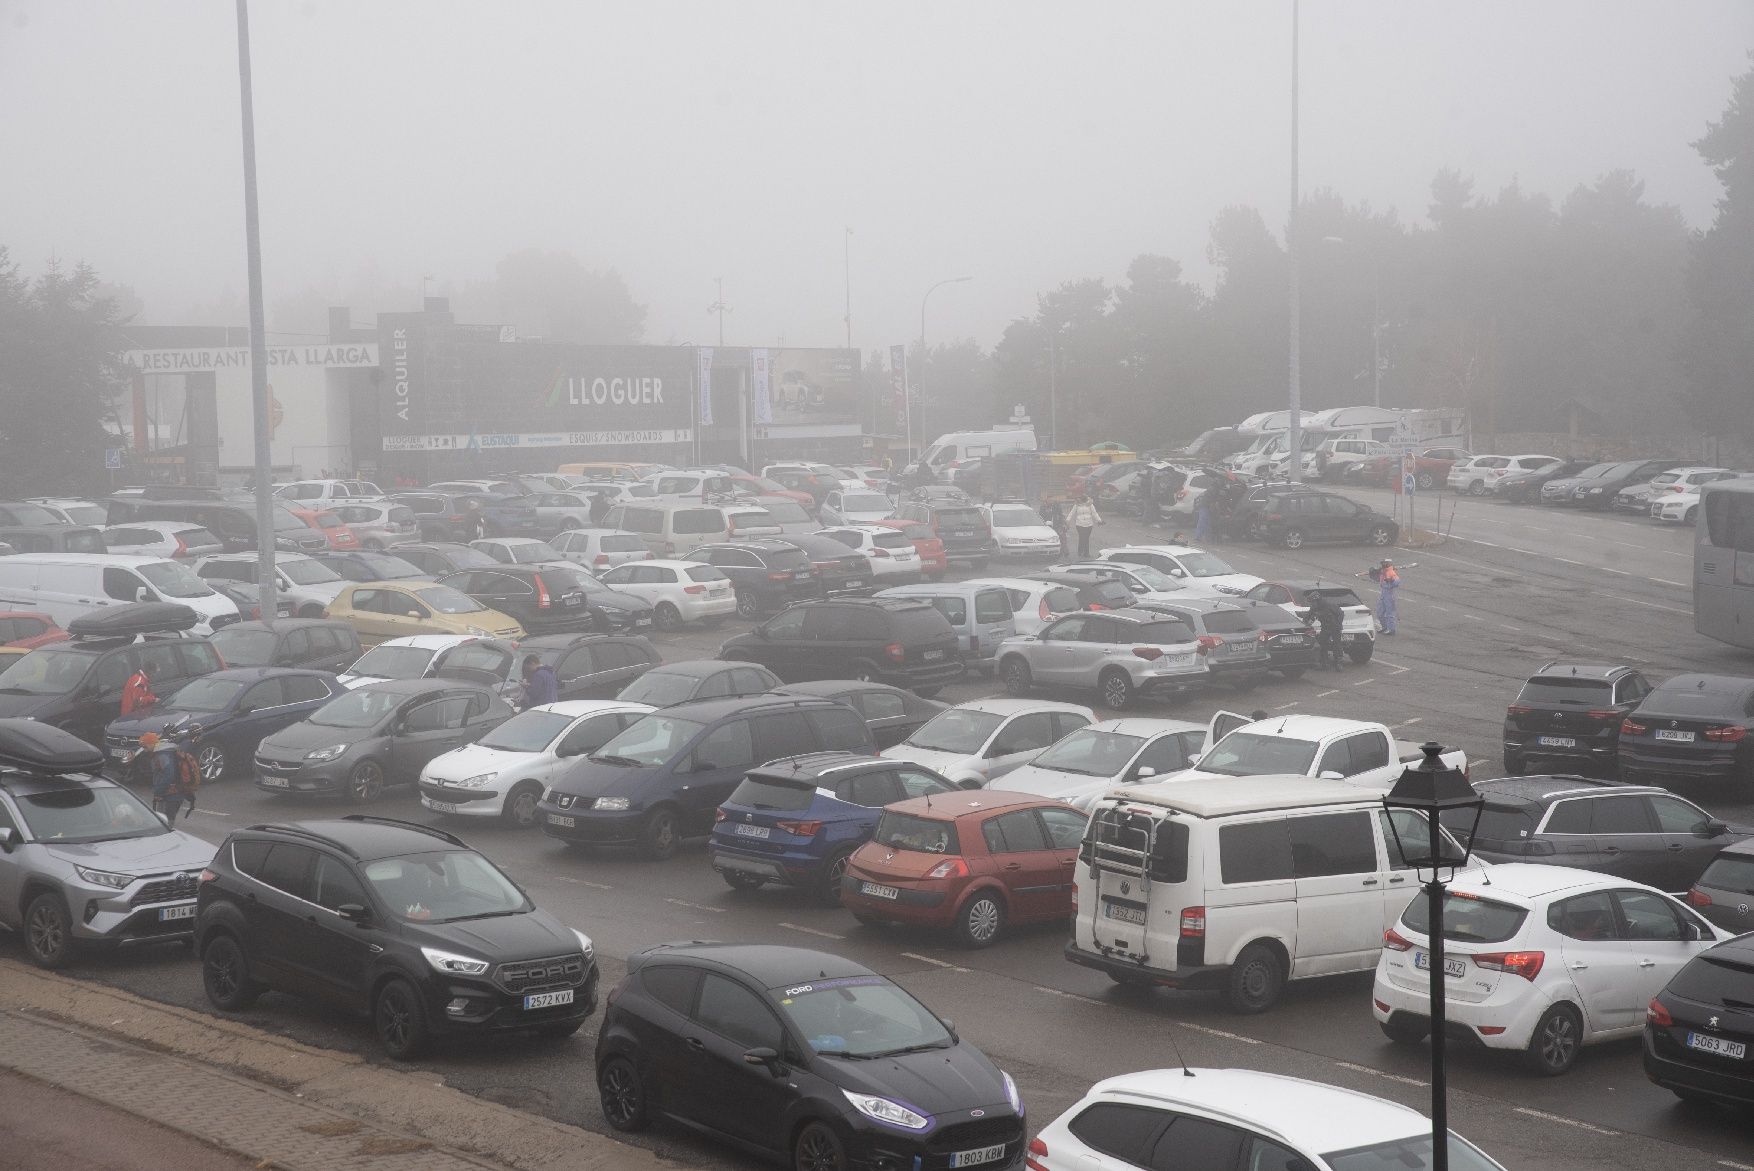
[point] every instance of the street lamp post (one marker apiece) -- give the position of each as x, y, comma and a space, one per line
1428, 790
920, 379
1294, 425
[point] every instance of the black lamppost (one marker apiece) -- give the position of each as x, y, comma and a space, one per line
1431, 789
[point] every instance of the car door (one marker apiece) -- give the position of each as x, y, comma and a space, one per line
779, 643
713, 767
1339, 891
1222, 724
1065, 829
1688, 845
1016, 741
425, 729
1662, 938
884, 712
830, 512
274, 907
1166, 754
745, 1101
1027, 865
334, 954
1598, 961
1058, 647
1626, 838
503, 592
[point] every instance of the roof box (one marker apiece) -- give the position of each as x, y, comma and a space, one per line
133, 618
34, 747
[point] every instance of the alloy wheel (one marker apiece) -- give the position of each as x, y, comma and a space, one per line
211, 762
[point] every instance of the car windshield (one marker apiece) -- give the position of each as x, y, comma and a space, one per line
45, 672
306, 572
660, 688
205, 695
860, 1017
32, 514
1154, 579
1204, 564
392, 662
444, 887
531, 552
446, 600
958, 730
653, 740
530, 731
358, 709
85, 514
1251, 754
174, 581
925, 835
1090, 753
1410, 1154
1016, 518
244, 648
384, 567
77, 813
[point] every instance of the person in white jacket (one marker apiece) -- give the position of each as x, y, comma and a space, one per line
1084, 518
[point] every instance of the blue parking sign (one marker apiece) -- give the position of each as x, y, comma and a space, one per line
112, 459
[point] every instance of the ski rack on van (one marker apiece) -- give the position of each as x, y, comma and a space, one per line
1109, 843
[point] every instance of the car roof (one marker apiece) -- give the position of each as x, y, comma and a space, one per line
1170, 550
1145, 726
770, 965
1221, 796
1570, 670
1203, 605
705, 711
1000, 705
421, 686
437, 642
829, 688
251, 674
1709, 684
574, 708
817, 764
1303, 727
1541, 789
1530, 880
366, 837
758, 544
700, 668
966, 803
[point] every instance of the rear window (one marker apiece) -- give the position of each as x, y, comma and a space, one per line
1714, 980
1730, 872
960, 518
787, 559
892, 541
1468, 918
190, 537
922, 625
622, 544
756, 793
1338, 597
1060, 600
1230, 622
904, 831
705, 573
697, 520
1163, 633
642, 520
92, 541
1112, 594
1547, 691
918, 532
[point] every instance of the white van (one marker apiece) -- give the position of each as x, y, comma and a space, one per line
1239, 885
979, 612
673, 528
956, 447
67, 585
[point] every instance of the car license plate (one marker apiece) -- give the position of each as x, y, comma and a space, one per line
574, 599
440, 806
879, 892
854, 583
1453, 966
187, 911
754, 831
1556, 742
642, 621
1716, 1045
1353, 637
976, 1157
276, 782
1124, 914
1293, 639
1671, 734
962, 532
548, 999
562, 822
932, 656
118, 754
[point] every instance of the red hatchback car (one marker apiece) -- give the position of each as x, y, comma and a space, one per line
28, 629
933, 563
971, 861
339, 536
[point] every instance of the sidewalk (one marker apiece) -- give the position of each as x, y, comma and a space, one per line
278, 1103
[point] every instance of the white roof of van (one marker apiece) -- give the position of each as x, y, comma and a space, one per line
1221, 797
121, 560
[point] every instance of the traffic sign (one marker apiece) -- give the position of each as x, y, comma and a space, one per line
112, 459
1409, 483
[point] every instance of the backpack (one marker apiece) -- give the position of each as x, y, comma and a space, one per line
188, 774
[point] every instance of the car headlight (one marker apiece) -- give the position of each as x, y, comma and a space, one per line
590, 949
610, 803
317, 755
475, 782
885, 1111
477, 631
1011, 1094
105, 878
1597, 491
452, 964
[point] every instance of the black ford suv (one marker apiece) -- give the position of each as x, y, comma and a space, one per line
1567, 717
904, 642
398, 920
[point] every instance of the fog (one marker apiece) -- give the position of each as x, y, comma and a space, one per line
1021, 144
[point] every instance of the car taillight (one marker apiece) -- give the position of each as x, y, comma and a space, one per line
1096, 606
1602, 714
255, 611
1043, 610
1526, 964
1656, 1014
1395, 941
779, 577
718, 815
1697, 897
804, 829
1037, 1150
949, 868
1193, 923
1519, 709
694, 589
1261, 637
542, 600
456, 520
1632, 728
1209, 643
209, 876
895, 651
1727, 734
600, 559
1148, 653
1273, 516
880, 553
181, 550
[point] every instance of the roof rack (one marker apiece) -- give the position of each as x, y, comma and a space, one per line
299, 831
430, 830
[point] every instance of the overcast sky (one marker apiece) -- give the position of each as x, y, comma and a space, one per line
1019, 143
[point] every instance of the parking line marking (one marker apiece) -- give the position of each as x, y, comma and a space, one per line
1474, 617
1364, 683
1652, 605
696, 906
1220, 1033
1564, 1121
1404, 723
582, 882
1325, 694
210, 812
1286, 706
1737, 1166
1393, 1077
1070, 995
914, 955
812, 931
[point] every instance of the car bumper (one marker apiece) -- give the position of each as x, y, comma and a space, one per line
928, 908
1513, 1009
1597, 753
1306, 654
622, 621
328, 777
1182, 976
1045, 549
871, 1146
101, 915
971, 551
1667, 1070
1662, 769
460, 802
695, 609
481, 1006
789, 868
923, 675
605, 828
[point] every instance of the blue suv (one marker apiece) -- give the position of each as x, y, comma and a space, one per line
796, 821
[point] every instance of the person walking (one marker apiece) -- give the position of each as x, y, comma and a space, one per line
1203, 519
186, 775
1055, 516
1084, 518
137, 693
1390, 584
161, 768
541, 684
1329, 621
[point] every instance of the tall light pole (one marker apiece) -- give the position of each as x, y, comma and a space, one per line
920, 381
1294, 435
258, 340
847, 269
720, 308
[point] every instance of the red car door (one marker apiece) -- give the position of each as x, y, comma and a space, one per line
1025, 862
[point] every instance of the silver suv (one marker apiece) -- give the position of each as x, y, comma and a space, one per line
83, 860
1117, 653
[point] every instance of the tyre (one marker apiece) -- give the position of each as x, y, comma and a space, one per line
927, 692
1558, 1037
310, 612
400, 1021
1406, 1029
666, 617
365, 783
520, 805
1477, 488
864, 672
1691, 515
980, 919
1015, 674
571, 522
225, 974
1513, 763
211, 761
1361, 655
827, 889
622, 1096
660, 834
1255, 981
746, 604
1380, 535
1116, 688
1292, 673
737, 880
818, 1148
48, 932
1293, 539
1425, 480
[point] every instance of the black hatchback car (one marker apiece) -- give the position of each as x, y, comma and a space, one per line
1699, 1032
403, 922
839, 570
800, 1056
541, 600
965, 530
892, 713
900, 641
1568, 716
692, 679
766, 574
441, 557
1691, 728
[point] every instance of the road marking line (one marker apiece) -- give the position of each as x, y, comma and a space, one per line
210, 812
1325, 694
1508, 626
1364, 683
1285, 706
1404, 723
1069, 995
1393, 1077
1652, 605
582, 882
1737, 1166
1564, 1121
1435, 606
1474, 617
696, 906
914, 955
1221, 1033
812, 931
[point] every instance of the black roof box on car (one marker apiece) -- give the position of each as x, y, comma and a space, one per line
132, 618
35, 747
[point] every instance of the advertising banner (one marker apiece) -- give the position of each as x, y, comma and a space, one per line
704, 374
896, 415
206, 360
758, 374
815, 386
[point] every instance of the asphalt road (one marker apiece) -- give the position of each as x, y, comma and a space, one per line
1513, 587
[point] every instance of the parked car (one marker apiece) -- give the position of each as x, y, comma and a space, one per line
518, 550
1190, 566
1296, 519
23, 514
786, 514
663, 779
437, 558
367, 565
234, 709
677, 591
861, 507
379, 524
1544, 960
611, 609
1119, 654
338, 535
1086, 764
393, 609
839, 569
391, 918
1568, 716
326, 493
375, 737
599, 549
70, 511
1357, 626
1672, 495
306, 583
73, 586
1595, 486
960, 525
556, 512
538, 598
892, 713
972, 862
591, 666
1688, 729
1725, 892
84, 861
1144, 583
503, 774
977, 743
493, 663
28, 630
891, 555
1525, 487
1034, 602
461, 516
1696, 1029
979, 612
1292, 646
673, 683
796, 822
1361, 753
897, 641
1477, 476
1093, 590
765, 574
232, 522
933, 562
1235, 647
316, 644
161, 538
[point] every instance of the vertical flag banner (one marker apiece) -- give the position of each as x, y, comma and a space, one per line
758, 363
898, 382
705, 354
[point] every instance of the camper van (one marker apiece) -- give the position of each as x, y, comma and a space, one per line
957, 447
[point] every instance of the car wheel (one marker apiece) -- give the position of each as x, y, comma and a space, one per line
621, 1094
225, 974
1691, 515
746, 604
310, 612
1477, 488
400, 1021
211, 761
366, 783
864, 672
1361, 654
1513, 764
1406, 1029
520, 805
1380, 535
666, 616
927, 692
1116, 688
1292, 673
48, 932
1015, 674
1293, 539
738, 880
659, 835
1256, 979
1425, 480
571, 522
979, 921
819, 1149
1558, 1037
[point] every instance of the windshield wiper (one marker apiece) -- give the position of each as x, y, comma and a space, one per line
845, 1054
613, 759
481, 915
944, 1044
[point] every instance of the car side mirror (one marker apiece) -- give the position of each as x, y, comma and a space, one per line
1711, 827
1329, 774
142, 594
9, 837
354, 913
1144, 771
1194, 758
767, 1057
163, 820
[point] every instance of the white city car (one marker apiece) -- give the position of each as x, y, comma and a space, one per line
974, 743
1021, 532
679, 591
1094, 759
894, 559
600, 549
301, 579
179, 539
855, 508
1193, 566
